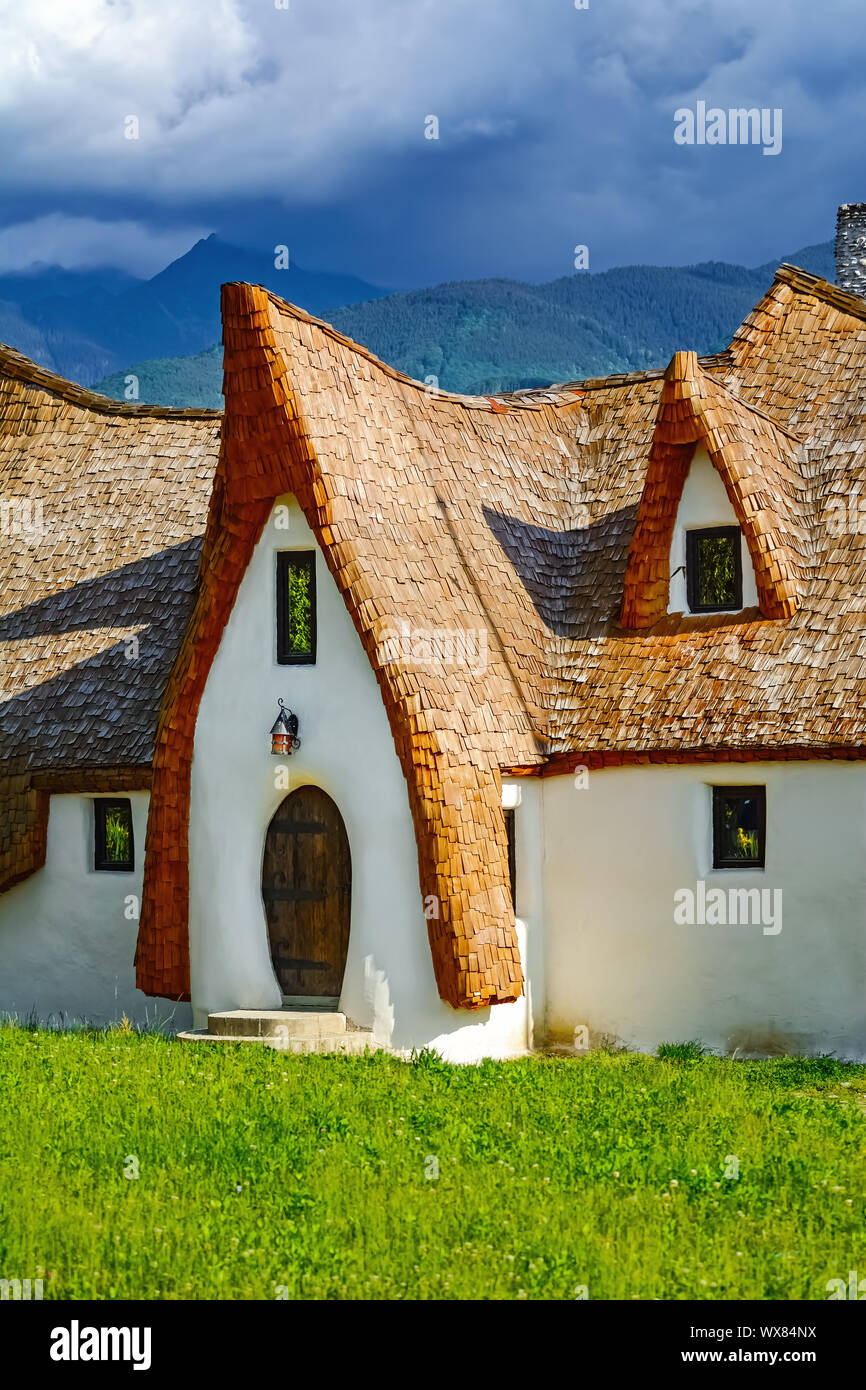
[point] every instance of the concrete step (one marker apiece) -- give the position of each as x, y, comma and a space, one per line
353, 1042
275, 1023
285, 1030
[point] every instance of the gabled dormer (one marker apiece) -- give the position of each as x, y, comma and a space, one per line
710, 567
720, 524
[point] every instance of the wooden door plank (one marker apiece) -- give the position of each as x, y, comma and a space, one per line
306, 886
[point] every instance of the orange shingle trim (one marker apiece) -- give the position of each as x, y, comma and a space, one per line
561, 764
23, 829
162, 952
93, 779
454, 785
757, 462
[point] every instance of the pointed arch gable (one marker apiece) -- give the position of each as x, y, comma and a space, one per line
454, 786
759, 464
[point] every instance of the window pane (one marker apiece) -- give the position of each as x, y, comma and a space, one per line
296, 607
115, 848
512, 854
717, 571
739, 826
300, 608
118, 835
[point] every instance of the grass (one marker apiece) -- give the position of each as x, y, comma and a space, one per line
682, 1052
262, 1175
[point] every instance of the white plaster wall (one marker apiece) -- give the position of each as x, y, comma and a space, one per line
704, 503
617, 851
66, 942
525, 795
348, 750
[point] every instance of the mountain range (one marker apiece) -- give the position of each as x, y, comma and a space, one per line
477, 336
87, 324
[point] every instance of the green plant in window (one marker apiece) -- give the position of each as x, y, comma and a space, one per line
117, 837
741, 841
717, 575
300, 608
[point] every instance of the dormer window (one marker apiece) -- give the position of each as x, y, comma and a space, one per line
714, 462
714, 570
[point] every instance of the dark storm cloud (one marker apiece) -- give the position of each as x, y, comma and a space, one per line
307, 126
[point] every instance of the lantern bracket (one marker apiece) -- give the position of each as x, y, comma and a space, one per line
284, 734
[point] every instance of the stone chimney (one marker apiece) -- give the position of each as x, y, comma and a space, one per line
851, 248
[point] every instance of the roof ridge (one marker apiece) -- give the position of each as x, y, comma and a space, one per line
685, 366
459, 398
532, 398
798, 279
14, 364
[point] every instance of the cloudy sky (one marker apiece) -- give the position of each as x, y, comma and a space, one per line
307, 125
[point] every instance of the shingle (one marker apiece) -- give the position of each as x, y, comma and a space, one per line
511, 515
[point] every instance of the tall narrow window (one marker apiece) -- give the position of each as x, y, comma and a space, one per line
714, 570
739, 827
114, 844
512, 856
296, 607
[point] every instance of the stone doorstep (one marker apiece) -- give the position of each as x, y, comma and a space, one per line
353, 1043
274, 1023
285, 1030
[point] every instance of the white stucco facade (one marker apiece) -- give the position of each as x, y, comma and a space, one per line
704, 503
602, 860
617, 850
348, 750
67, 933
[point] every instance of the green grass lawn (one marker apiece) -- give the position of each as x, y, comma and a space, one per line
263, 1175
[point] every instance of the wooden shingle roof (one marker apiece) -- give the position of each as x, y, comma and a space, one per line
512, 516
762, 471
403, 491
740, 685
102, 506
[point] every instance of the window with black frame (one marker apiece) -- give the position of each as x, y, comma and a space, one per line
114, 839
296, 607
739, 827
512, 855
714, 569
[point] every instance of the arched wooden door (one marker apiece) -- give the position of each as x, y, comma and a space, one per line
307, 889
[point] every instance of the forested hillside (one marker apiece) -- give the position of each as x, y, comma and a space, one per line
482, 336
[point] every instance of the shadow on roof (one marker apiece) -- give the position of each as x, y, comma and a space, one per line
154, 591
573, 578
98, 706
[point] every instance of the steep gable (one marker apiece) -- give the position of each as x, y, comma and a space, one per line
392, 482
759, 464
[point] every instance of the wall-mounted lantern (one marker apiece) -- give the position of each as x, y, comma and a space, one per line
284, 734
